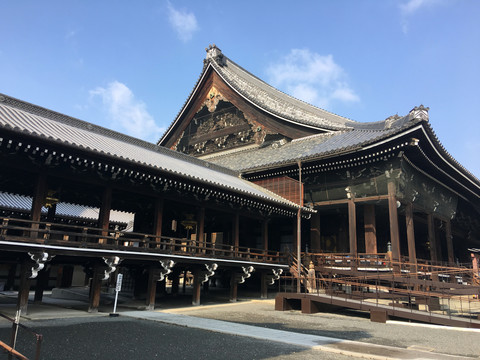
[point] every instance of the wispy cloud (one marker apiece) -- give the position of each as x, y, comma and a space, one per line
127, 113
311, 77
411, 7
183, 22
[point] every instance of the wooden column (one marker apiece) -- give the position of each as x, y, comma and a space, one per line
201, 228
11, 277
104, 213
39, 195
393, 217
315, 233
265, 234
432, 238
236, 232
352, 228
264, 286
197, 286
158, 218
42, 283
24, 289
233, 287
175, 276
448, 235
412, 253
153, 274
370, 229
95, 289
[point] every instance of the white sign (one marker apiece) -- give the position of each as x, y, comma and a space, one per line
119, 282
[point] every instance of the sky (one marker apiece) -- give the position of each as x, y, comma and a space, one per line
130, 65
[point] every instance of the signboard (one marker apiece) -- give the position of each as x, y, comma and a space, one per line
119, 282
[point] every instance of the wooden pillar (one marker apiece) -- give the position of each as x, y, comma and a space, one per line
153, 274
352, 228
448, 235
412, 253
233, 287
95, 289
157, 221
264, 286
42, 283
432, 238
236, 232
265, 234
197, 286
24, 289
104, 213
393, 217
370, 229
175, 276
11, 277
315, 233
201, 229
39, 194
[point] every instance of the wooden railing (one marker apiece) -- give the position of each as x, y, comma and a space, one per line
27, 231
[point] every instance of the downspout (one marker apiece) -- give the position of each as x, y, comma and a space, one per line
299, 226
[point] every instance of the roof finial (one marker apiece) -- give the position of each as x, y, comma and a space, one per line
419, 112
214, 53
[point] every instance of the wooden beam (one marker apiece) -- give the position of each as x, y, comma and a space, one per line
356, 200
370, 229
39, 196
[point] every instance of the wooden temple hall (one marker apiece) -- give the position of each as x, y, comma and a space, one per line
246, 183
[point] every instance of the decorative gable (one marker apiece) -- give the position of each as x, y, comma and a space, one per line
218, 125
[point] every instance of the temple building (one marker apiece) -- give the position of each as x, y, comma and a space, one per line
378, 186
246, 184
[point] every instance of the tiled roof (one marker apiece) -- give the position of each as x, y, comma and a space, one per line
270, 99
315, 146
24, 203
25, 118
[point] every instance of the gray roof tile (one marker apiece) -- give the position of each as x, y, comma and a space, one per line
29, 119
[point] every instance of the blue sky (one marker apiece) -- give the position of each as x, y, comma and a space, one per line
130, 66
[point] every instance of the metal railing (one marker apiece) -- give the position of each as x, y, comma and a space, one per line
376, 279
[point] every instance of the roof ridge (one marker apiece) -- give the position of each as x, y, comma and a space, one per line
284, 93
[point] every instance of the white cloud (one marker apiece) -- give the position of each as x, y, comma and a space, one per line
311, 77
410, 7
183, 22
126, 112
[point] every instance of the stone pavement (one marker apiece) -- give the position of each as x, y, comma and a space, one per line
345, 347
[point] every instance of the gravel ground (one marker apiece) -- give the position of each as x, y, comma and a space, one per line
346, 325
105, 338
